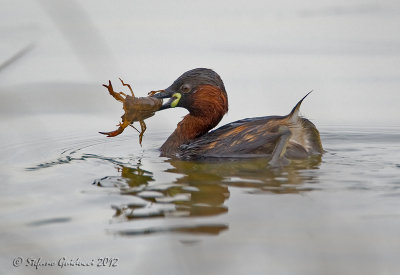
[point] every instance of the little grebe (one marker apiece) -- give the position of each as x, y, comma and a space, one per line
202, 92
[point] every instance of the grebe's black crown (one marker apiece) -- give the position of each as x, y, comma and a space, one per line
197, 77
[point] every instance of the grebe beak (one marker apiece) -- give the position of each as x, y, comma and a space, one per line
167, 93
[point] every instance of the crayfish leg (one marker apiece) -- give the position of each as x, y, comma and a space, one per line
134, 128
127, 85
154, 92
143, 127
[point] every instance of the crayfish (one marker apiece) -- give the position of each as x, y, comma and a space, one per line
136, 109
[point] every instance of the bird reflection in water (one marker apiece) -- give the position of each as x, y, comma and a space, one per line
200, 190
178, 199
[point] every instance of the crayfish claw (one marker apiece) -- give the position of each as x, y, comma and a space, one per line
115, 95
111, 134
122, 126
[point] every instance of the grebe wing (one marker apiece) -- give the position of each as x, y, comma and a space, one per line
248, 137
255, 137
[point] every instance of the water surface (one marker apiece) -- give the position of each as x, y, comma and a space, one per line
70, 192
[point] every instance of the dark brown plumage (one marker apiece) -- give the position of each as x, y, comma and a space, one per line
202, 92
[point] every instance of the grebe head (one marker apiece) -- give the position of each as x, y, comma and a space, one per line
200, 91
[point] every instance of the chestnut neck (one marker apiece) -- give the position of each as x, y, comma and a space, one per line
208, 105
